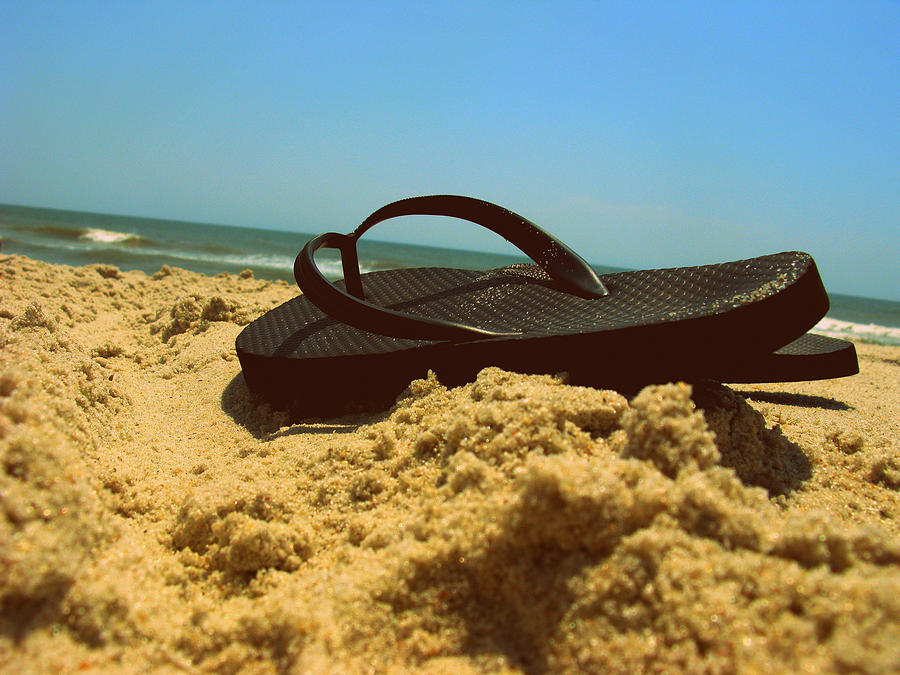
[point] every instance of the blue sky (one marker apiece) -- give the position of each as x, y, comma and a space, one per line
643, 134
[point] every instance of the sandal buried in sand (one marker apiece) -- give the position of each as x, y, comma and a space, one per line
363, 339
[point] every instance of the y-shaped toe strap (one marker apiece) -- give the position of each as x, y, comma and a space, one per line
562, 264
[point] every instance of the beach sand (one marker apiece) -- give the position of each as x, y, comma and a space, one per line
156, 517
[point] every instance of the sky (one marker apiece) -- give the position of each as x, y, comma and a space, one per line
642, 134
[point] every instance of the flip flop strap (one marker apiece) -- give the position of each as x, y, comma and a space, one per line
562, 264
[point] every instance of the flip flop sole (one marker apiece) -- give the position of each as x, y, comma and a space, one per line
329, 387
810, 357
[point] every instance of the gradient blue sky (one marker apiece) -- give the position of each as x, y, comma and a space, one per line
642, 133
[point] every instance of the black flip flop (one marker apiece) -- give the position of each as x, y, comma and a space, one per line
365, 338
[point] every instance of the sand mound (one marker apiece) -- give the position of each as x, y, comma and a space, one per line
157, 516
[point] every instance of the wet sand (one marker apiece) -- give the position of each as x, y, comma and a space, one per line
156, 517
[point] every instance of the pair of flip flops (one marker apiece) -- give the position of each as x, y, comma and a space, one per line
361, 341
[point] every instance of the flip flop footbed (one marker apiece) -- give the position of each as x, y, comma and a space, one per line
520, 299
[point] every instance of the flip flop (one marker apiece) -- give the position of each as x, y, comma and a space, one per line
365, 338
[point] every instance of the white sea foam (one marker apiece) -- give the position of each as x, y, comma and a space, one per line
886, 335
330, 268
250, 260
106, 236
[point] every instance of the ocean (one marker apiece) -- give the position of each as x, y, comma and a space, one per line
129, 243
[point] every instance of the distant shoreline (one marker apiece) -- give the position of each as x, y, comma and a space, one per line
79, 238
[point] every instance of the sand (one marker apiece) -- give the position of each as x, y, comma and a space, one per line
156, 517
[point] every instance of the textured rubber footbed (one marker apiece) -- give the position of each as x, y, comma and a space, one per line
812, 344
522, 299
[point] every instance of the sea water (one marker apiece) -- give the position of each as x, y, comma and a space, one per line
78, 238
